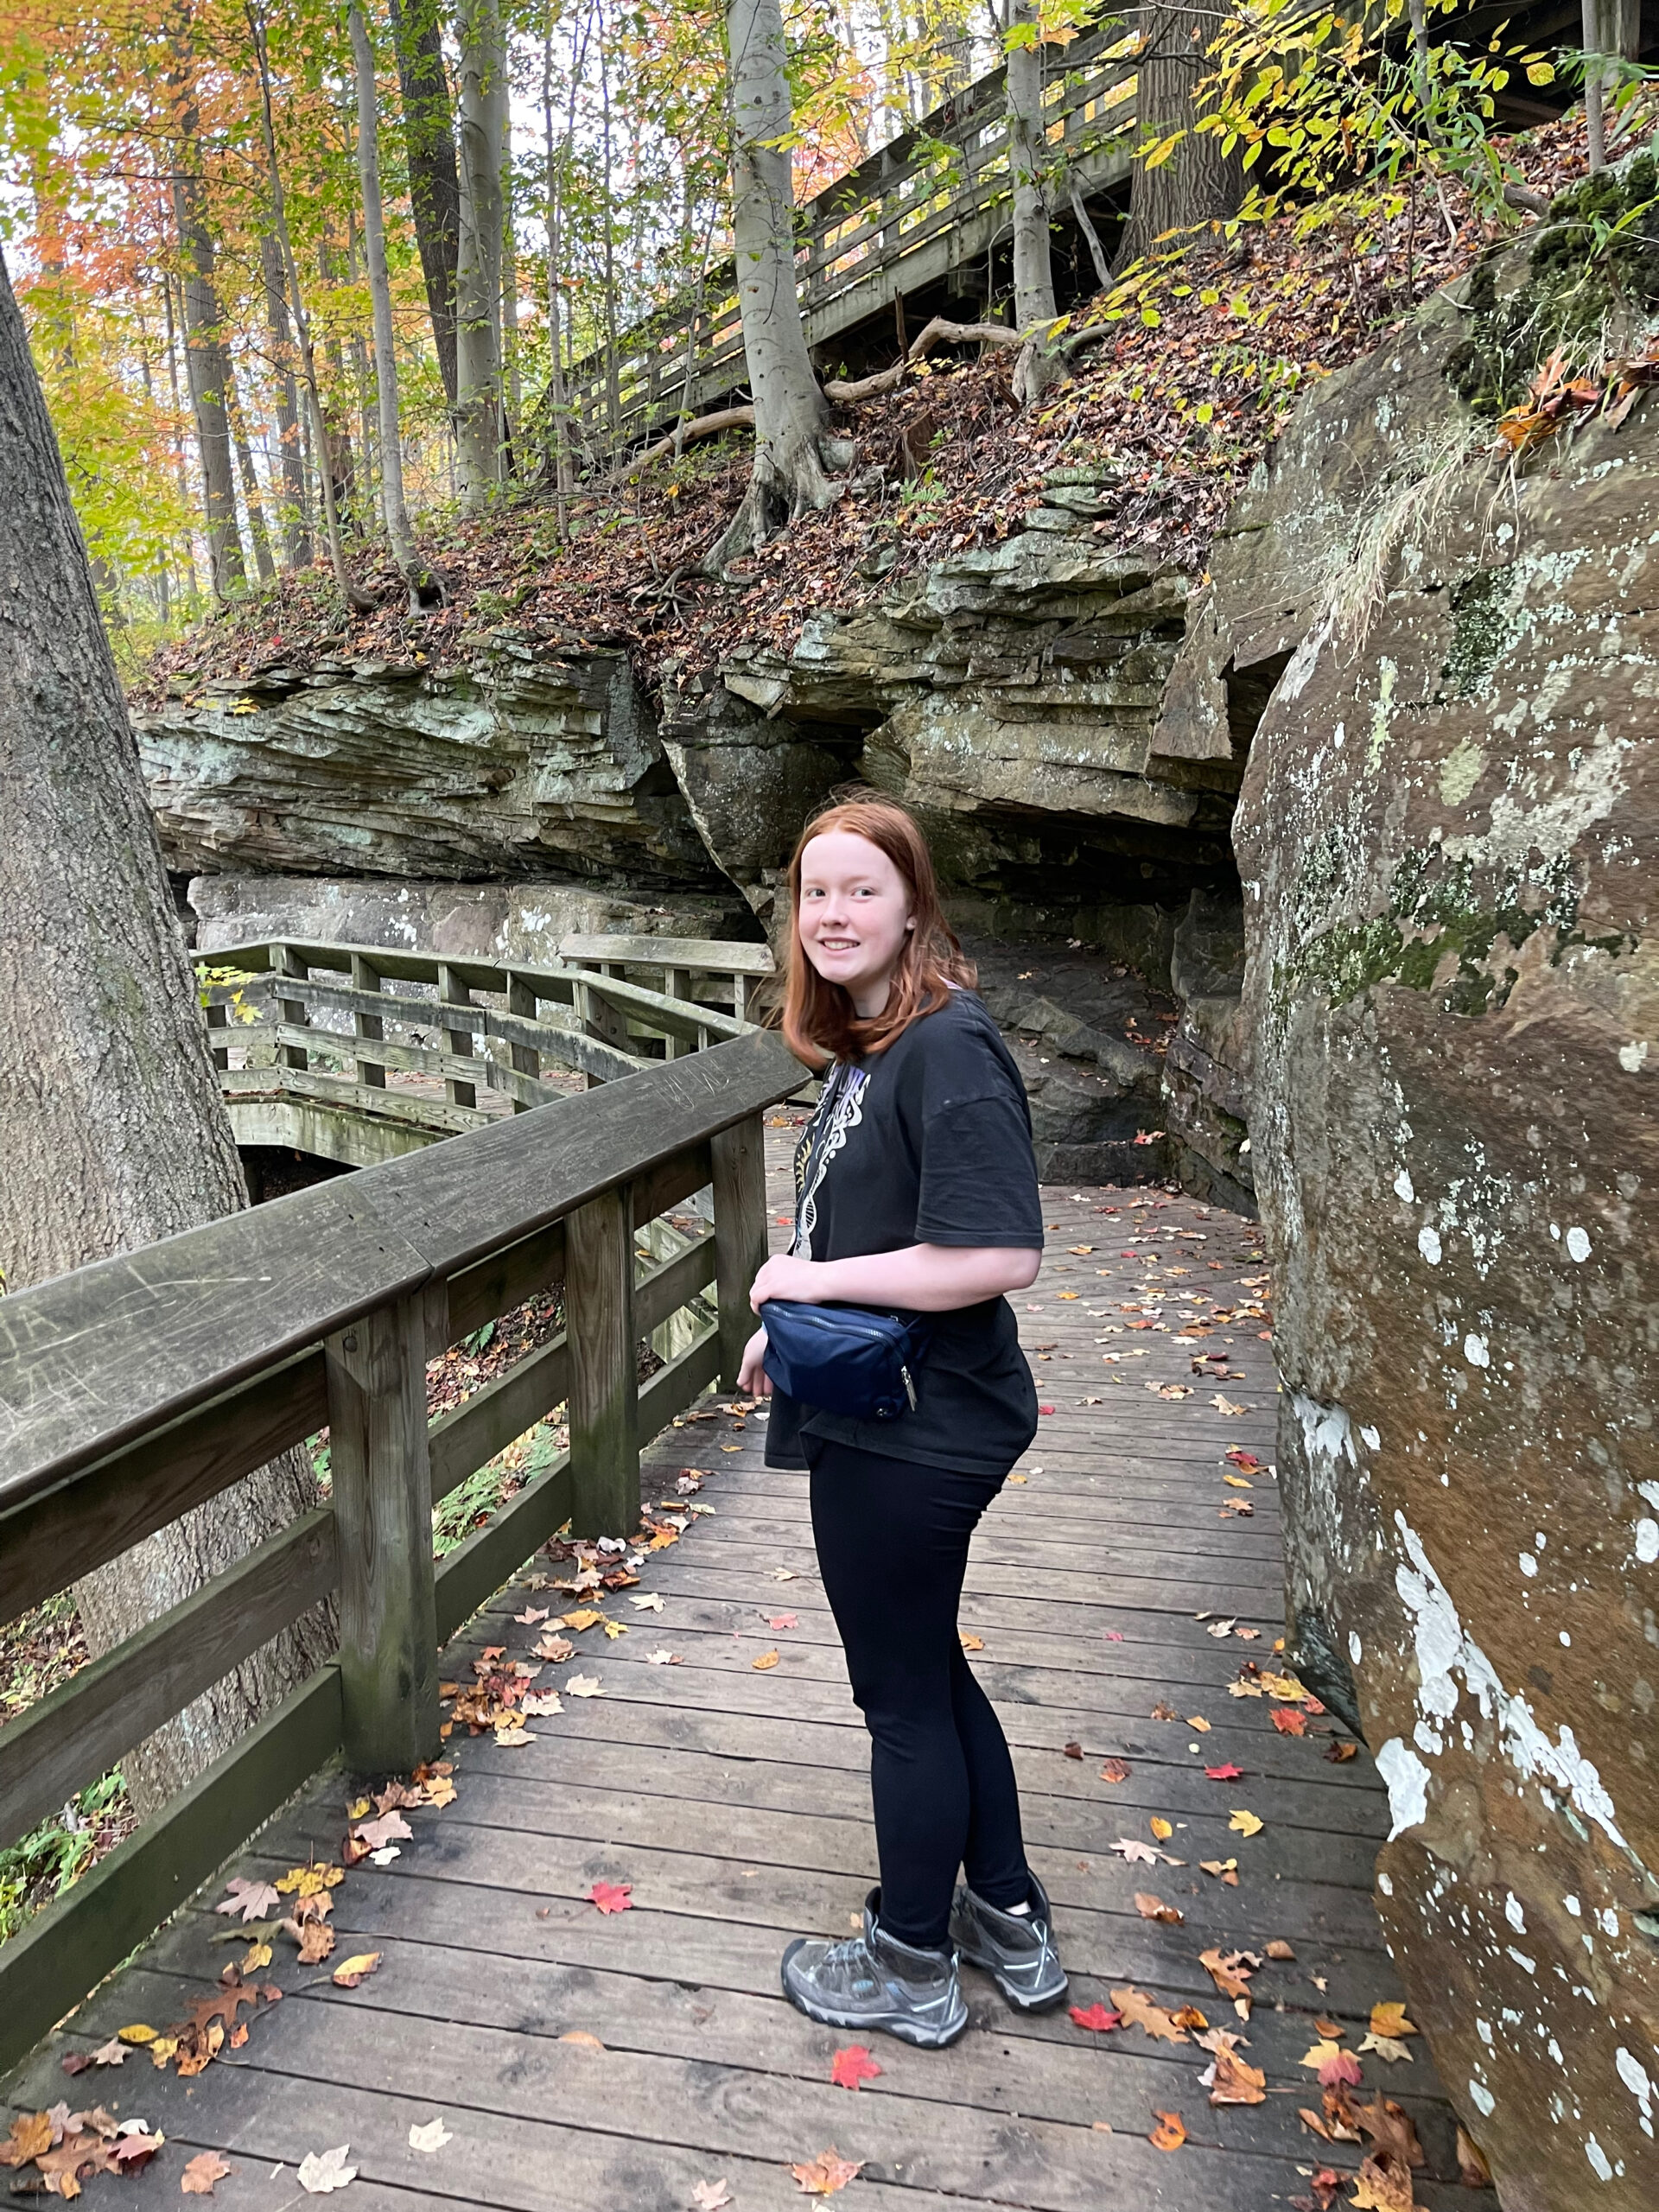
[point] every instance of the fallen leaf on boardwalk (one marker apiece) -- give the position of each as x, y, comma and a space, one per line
351, 1972
1289, 1722
1226, 1406
1190, 2017
1390, 2020
248, 1900
556, 1647
1385, 2047
1197, 1720
1114, 1635
1472, 2169
584, 1617
649, 1601
1160, 1828
665, 1659
110, 2053
1072, 1750
851, 2066
531, 1614
1312, 2121
1229, 1773
1045, 1409
316, 1938
1170, 2133
1331, 2030
257, 1956
1339, 1750
1289, 1689
322, 2171
1138, 2011
583, 1686
512, 1736
1161, 1712
1222, 1628
307, 1881
828, 2171
1237, 1482
1114, 1771
388, 1829
766, 1659
432, 2135
613, 1629
1280, 1949
1237, 2084
1246, 1823
785, 1574
1230, 1971
611, 1897
710, 2196
1384, 2185
781, 1620
972, 1643
1389, 2127
1142, 1854
1332, 2064
1080, 1248
1096, 2018
582, 2039
539, 1703
200, 2173
30, 2137
1226, 1868
1153, 1907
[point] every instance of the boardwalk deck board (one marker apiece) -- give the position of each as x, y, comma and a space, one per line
736, 1803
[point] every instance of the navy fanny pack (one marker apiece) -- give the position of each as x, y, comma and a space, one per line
843, 1359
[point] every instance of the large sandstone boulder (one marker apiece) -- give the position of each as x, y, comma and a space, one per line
1448, 836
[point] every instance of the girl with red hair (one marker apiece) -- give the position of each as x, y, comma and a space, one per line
916, 1193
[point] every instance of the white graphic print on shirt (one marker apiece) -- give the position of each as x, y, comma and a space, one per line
840, 1110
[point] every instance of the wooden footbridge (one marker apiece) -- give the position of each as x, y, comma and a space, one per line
552, 1977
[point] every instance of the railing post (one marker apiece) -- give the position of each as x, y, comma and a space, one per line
383, 1518
739, 1175
371, 1073
293, 1011
604, 1405
453, 992
521, 1000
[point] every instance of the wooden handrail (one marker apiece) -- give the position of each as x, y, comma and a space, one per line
134, 1389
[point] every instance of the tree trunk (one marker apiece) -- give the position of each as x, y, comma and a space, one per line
433, 188
110, 1122
208, 369
797, 463
1610, 27
386, 358
189, 548
477, 264
1035, 310
250, 498
1198, 183
297, 520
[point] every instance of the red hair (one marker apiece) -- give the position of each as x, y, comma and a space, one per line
820, 1021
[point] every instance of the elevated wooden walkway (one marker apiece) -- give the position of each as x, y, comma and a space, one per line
624, 2061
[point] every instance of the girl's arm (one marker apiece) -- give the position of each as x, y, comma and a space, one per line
926, 1278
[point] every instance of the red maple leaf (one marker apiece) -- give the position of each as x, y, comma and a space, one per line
1289, 1722
1114, 1635
1045, 1409
611, 1897
1097, 2017
853, 2066
1223, 1773
1342, 2066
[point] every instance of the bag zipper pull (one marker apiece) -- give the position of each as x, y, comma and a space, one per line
910, 1388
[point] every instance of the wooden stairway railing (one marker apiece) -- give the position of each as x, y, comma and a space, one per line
134, 1389
931, 201
317, 1028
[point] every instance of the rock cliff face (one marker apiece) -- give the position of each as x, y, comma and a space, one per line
1448, 837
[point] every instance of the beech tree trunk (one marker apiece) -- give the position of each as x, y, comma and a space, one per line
1198, 183
296, 531
797, 463
1610, 27
252, 500
1034, 275
111, 1127
208, 369
386, 358
433, 185
483, 107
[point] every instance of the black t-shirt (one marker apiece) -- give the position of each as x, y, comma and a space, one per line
927, 1143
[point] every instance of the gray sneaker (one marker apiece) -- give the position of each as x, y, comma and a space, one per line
873, 1981
1016, 1949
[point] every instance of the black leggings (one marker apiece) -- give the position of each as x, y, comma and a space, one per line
892, 1541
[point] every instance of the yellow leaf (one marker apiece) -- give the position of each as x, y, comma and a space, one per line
360, 1810
766, 1659
139, 2033
1067, 1293
258, 1956
581, 2036
1237, 1482
971, 1642
613, 1629
583, 1617
353, 1970
1390, 2020
1197, 1720
1246, 1823
1160, 1828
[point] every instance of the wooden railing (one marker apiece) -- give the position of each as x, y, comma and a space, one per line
136, 1389
315, 1030
931, 201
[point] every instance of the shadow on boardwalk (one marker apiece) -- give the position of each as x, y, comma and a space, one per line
734, 1802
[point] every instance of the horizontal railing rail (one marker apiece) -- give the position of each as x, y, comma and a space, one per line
138, 1388
869, 236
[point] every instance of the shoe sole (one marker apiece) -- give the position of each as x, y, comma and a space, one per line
922, 2038
1017, 1998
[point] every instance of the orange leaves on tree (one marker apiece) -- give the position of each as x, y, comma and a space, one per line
611, 1897
851, 2066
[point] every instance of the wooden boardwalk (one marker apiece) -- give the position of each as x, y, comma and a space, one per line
733, 1799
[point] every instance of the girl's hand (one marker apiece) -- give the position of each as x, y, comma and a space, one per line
796, 1282
752, 1379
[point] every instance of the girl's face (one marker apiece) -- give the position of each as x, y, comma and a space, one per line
855, 916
